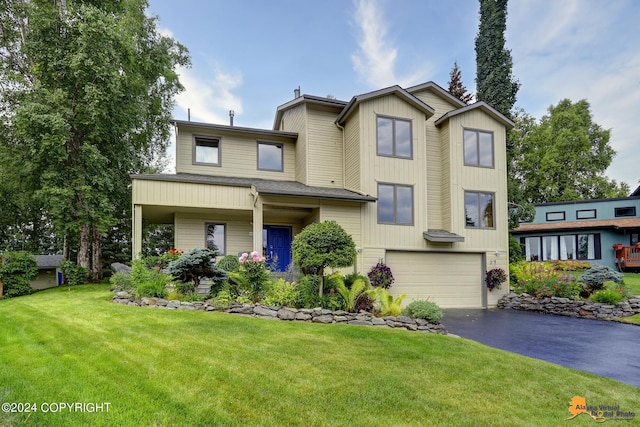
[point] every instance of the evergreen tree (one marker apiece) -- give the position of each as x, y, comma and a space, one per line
456, 87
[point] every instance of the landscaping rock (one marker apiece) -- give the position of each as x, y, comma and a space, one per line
265, 311
286, 314
323, 318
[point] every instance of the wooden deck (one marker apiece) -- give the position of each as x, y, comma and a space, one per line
627, 257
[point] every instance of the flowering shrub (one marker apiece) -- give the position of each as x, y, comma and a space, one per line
380, 276
495, 278
253, 275
569, 265
540, 279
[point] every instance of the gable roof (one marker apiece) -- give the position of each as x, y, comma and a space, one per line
263, 186
48, 261
392, 90
438, 90
636, 192
307, 99
480, 105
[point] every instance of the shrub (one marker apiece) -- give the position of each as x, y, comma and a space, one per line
350, 278
121, 281
593, 279
281, 293
495, 278
385, 304
195, 265
607, 296
350, 295
308, 287
515, 250
229, 263
364, 303
17, 270
252, 276
321, 245
380, 276
154, 287
73, 274
424, 309
222, 300
540, 279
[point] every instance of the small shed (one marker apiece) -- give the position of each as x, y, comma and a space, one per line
49, 273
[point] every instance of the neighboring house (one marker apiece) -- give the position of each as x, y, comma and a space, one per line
417, 178
49, 273
582, 230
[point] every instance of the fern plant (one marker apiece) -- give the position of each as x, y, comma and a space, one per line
350, 295
387, 305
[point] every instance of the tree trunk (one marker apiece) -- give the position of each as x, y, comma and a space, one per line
84, 240
96, 255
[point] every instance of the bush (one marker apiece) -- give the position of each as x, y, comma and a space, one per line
229, 263
308, 288
73, 274
607, 296
349, 279
281, 293
350, 295
195, 265
540, 279
252, 277
17, 270
593, 279
222, 300
424, 309
380, 276
121, 281
385, 304
154, 287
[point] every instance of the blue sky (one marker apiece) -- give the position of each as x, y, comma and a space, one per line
249, 55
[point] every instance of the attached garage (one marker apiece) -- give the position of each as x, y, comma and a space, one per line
449, 279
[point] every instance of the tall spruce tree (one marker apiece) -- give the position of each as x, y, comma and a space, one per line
87, 94
456, 87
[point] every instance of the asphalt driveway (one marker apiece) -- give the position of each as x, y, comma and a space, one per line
604, 348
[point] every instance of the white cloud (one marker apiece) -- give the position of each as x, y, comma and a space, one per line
375, 59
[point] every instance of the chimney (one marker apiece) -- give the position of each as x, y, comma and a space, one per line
231, 114
296, 92
188, 114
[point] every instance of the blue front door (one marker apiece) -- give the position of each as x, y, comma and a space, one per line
278, 246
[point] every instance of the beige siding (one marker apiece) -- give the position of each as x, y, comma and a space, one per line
295, 120
238, 155
379, 169
449, 279
165, 193
190, 231
352, 153
444, 199
325, 156
346, 214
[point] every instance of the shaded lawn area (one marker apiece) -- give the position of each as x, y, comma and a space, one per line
167, 367
632, 282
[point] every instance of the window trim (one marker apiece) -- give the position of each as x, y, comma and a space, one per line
619, 209
478, 193
395, 204
224, 237
277, 144
594, 216
393, 135
556, 212
493, 148
209, 138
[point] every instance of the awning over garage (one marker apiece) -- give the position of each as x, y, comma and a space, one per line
452, 280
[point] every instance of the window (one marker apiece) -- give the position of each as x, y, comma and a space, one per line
215, 237
270, 156
478, 148
395, 204
633, 239
394, 137
206, 151
478, 209
626, 211
555, 216
586, 214
563, 247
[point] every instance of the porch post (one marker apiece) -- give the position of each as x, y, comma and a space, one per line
257, 225
136, 231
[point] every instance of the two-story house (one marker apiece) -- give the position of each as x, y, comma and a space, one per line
417, 177
582, 229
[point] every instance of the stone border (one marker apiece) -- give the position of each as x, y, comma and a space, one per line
568, 307
315, 315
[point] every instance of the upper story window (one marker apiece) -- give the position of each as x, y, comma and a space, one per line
478, 148
394, 137
555, 216
586, 214
270, 156
215, 237
626, 211
206, 150
395, 204
479, 209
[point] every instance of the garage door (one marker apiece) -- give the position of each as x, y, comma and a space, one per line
449, 279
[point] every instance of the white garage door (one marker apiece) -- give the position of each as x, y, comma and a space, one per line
449, 279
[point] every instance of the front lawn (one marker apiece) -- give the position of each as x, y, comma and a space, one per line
632, 282
163, 367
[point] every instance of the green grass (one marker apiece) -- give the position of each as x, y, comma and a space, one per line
167, 368
632, 282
